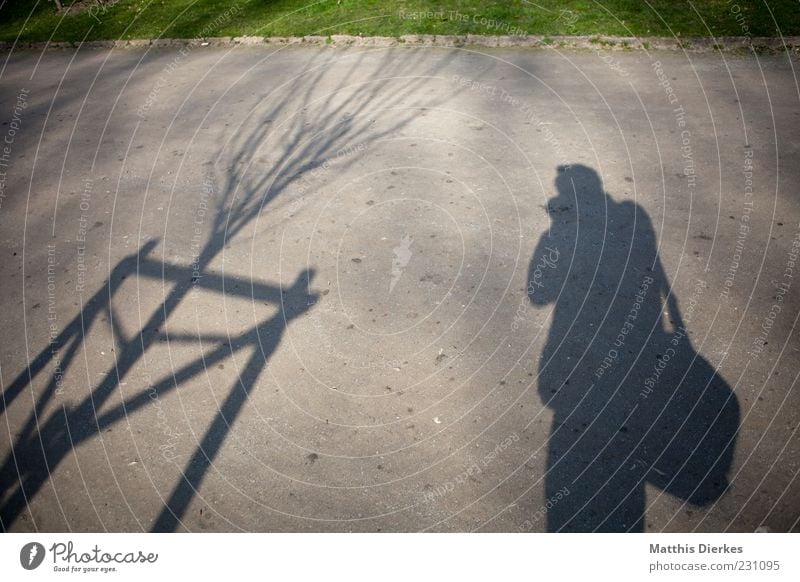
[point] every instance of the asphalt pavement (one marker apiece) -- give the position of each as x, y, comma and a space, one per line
399, 289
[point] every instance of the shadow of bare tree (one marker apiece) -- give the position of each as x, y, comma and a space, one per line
315, 127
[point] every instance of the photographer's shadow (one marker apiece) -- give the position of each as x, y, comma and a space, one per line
633, 402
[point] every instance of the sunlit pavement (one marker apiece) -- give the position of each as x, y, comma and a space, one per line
299, 290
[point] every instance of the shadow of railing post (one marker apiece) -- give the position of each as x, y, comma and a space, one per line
299, 301
41, 446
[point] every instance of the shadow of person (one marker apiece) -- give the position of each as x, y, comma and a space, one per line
633, 403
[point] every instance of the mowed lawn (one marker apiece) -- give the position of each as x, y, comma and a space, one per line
38, 20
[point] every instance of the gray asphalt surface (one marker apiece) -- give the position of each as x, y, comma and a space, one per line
399, 290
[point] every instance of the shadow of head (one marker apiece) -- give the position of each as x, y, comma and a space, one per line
577, 183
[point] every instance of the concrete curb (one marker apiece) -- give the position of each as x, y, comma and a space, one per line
701, 44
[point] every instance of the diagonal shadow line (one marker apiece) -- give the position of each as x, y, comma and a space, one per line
211, 281
84, 415
297, 303
57, 435
207, 450
53, 436
76, 327
50, 390
73, 333
170, 382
